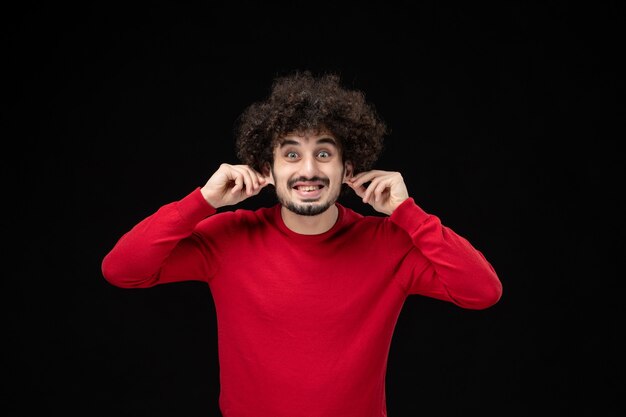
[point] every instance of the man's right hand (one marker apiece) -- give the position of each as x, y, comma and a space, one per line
231, 184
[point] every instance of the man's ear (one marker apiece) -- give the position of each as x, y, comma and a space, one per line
348, 170
267, 172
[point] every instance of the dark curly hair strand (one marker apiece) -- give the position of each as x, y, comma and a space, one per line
301, 102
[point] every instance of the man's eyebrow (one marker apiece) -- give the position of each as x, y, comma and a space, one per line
326, 139
286, 142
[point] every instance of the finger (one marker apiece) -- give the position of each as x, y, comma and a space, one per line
356, 179
261, 179
364, 177
239, 179
238, 187
258, 179
360, 191
357, 190
248, 181
365, 195
370, 189
381, 188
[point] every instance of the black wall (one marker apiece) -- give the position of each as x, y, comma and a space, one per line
507, 122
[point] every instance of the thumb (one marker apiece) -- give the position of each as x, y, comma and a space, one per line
360, 191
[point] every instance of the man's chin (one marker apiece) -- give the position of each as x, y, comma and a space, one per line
307, 208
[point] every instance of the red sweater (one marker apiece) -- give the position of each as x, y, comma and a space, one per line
304, 322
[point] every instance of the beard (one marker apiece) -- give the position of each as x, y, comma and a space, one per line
307, 207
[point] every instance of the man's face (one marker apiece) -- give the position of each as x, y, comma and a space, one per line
308, 172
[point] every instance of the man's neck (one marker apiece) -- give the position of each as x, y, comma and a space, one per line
310, 225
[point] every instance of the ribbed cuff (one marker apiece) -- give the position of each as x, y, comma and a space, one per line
409, 216
193, 207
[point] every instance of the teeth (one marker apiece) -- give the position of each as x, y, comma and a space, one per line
308, 188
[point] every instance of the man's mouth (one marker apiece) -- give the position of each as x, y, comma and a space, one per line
308, 182
306, 188
310, 188
308, 191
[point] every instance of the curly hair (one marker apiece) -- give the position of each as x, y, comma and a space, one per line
301, 102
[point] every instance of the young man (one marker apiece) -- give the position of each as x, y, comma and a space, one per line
307, 292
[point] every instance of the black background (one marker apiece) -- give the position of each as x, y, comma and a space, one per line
507, 122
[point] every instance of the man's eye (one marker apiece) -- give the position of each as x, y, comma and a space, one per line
323, 154
292, 155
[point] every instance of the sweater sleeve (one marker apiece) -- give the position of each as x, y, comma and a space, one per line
161, 248
454, 270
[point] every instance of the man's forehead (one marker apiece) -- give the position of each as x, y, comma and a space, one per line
298, 138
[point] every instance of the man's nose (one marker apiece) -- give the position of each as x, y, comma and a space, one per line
309, 167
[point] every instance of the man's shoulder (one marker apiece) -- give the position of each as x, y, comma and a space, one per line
350, 215
245, 215
231, 226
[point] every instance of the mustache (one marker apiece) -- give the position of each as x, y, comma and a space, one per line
293, 182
